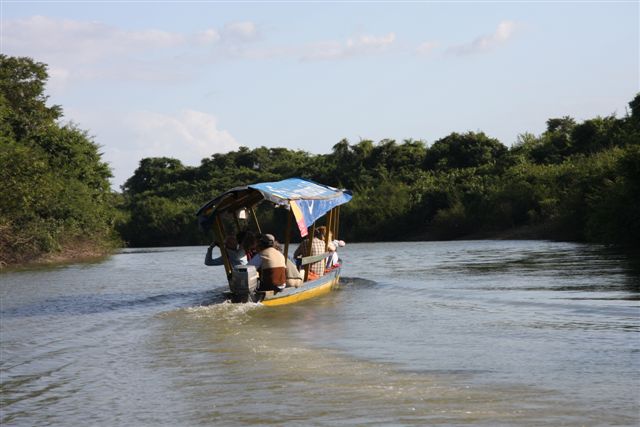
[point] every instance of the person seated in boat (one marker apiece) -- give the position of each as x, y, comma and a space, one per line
334, 260
234, 252
249, 243
271, 265
316, 269
295, 277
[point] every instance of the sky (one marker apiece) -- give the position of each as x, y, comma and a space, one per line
193, 78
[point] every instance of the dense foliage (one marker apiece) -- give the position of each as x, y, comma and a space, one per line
55, 189
576, 181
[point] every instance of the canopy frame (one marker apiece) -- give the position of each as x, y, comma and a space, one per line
305, 200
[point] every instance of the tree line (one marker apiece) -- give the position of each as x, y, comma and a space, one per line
576, 181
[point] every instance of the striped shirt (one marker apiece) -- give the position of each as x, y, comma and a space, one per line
317, 248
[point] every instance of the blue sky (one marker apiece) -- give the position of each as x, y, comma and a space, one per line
189, 79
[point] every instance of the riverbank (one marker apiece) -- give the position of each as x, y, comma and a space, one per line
70, 253
90, 251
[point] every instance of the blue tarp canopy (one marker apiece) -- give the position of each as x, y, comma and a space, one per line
307, 200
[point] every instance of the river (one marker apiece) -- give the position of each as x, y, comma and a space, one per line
488, 333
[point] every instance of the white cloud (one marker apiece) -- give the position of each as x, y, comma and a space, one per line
240, 31
90, 50
82, 41
503, 33
426, 48
58, 79
326, 50
149, 39
361, 45
187, 135
87, 50
208, 36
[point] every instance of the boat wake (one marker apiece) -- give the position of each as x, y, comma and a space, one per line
94, 304
223, 310
359, 282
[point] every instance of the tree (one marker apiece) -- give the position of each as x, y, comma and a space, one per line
152, 173
463, 151
22, 83
555, 142
55, 187
592, 136
614, 207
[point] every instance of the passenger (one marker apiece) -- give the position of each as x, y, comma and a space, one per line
249, 244
234, 252
271, 264
334, 260
240, 236
295, 277
316, 269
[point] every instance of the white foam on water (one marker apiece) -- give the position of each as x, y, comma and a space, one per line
225, 310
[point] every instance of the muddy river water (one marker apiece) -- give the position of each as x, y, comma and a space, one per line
489, 333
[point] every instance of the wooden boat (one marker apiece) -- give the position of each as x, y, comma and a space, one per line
308, 203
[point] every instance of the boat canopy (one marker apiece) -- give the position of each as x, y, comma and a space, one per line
307, 200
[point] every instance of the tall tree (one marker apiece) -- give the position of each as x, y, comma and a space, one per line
470, 149
55, 187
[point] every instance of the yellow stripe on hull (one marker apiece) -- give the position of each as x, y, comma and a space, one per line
304, 295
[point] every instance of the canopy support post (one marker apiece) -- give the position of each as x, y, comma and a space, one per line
219, 231
328, 227
307, 267
287, 235
255, 218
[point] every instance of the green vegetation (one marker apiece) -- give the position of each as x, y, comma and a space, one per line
55, 192
575, 181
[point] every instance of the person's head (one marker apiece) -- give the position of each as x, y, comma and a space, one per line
266, 241
321, 232
240, 235
250, 241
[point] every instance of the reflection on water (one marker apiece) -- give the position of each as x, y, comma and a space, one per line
456, 333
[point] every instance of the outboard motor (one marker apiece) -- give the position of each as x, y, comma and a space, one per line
243, 284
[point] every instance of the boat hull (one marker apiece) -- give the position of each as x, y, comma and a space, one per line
312, 289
